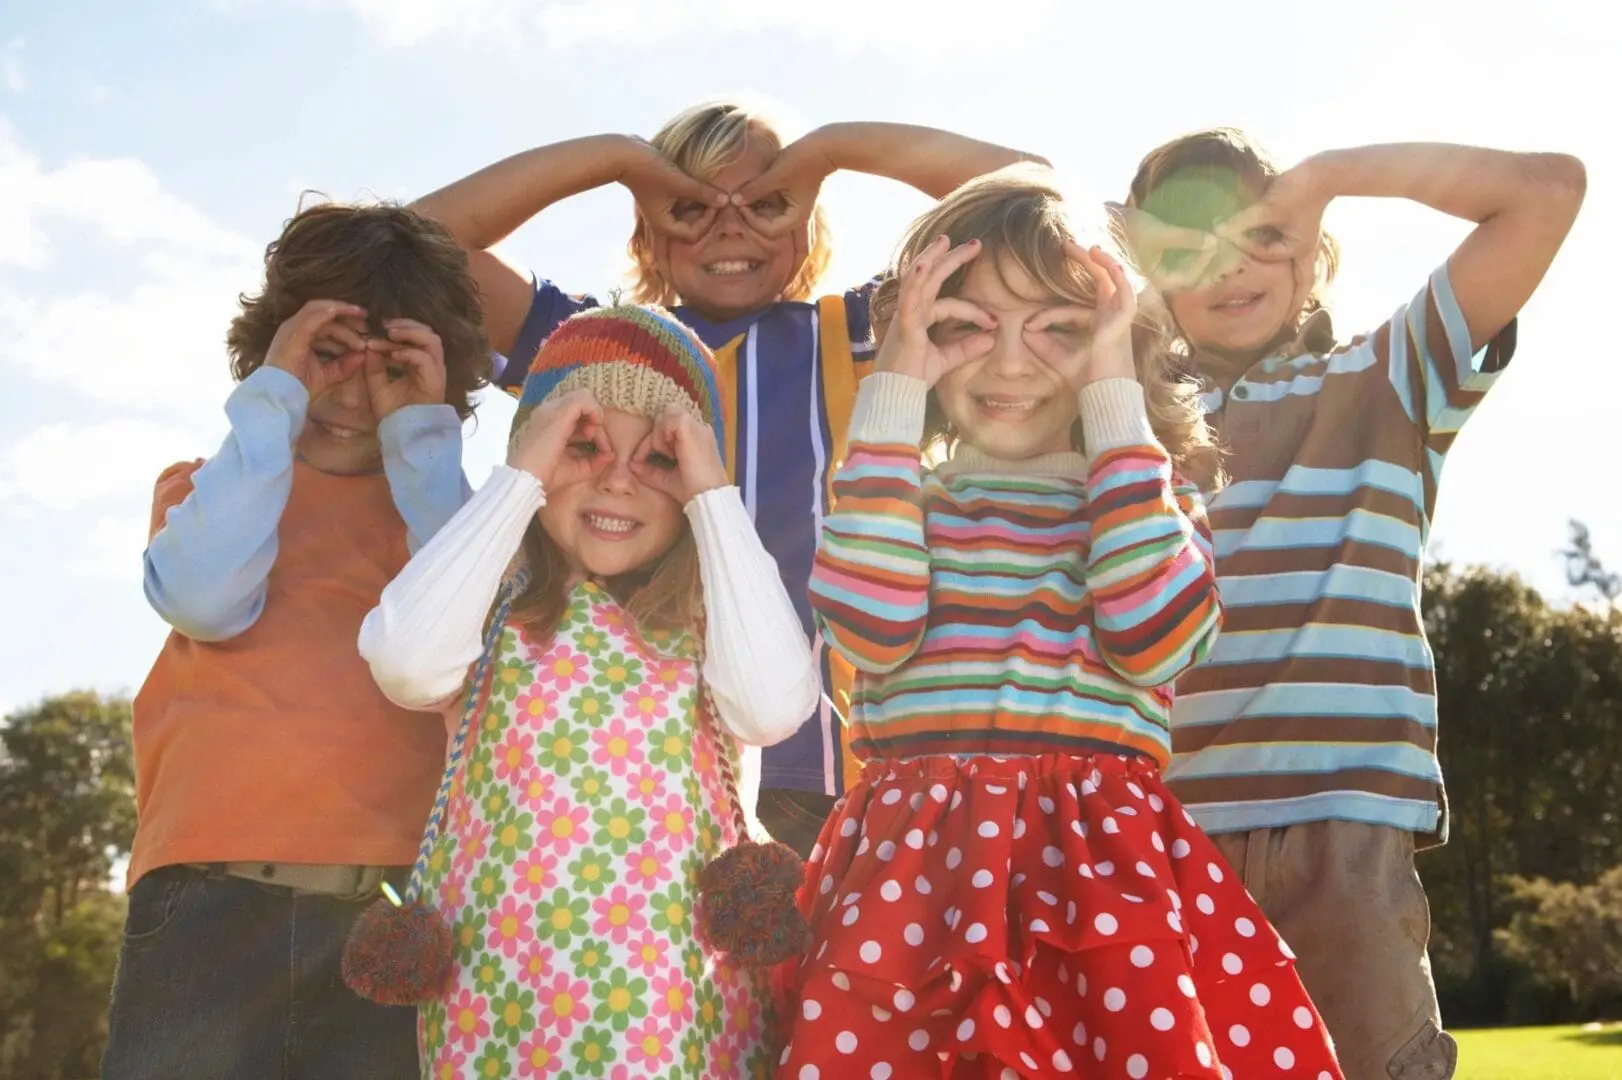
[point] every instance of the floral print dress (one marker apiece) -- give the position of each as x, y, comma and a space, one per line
568, 868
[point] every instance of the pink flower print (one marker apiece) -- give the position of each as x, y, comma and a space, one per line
645, 782
618, 746
475, 840
670, 675
533, 706
562, 669
610, 617
649, 1046
514, 756
450, 1063
541, 1054
534, 964
511, 926
672, 823
561, 827
535, 790
453, 892
648, 867
672, 999
534, 874
465, 1020
562, 1002
648, 952
645, 705
619, 915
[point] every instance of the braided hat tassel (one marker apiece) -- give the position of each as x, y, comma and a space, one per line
399, 951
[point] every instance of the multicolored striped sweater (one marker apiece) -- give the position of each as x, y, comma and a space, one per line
1013, 607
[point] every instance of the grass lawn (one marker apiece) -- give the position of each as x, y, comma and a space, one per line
1550, 1053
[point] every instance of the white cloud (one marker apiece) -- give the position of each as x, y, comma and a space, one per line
112, 550
61, 467
11, 66
562, 24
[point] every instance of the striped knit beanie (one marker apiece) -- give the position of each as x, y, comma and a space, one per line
635, 358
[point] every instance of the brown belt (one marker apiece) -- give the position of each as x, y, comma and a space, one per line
339, 882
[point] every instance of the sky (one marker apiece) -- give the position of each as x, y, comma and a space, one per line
148, 152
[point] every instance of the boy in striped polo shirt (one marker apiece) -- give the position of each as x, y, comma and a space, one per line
1306, 744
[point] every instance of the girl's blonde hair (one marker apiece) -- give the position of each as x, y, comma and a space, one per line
701, 141
1020, 218
667, 595
1193, 177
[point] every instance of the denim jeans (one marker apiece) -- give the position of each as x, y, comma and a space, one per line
220, 977
794, 818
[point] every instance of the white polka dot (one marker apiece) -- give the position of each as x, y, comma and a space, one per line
1131, 899
904, 1001
1016, 881
1079, 828
881, 1071
1087, 788
1084, 870
851, 898
851, 915
1038, 926
1105, 868
1061, 1061
847, 828
975, 934
1105, 923
1043, 1007
1115, 999
1188, 817
1203, 1052
1052, 856
1206, 905
1227, 1073
957, 800
1186, 985
988, 829
1007, 1074
1232, 964
845, 1042
1028, 1061
914, 934
1284, 1057
1239, 1035
1285, 949
810, 1008
954, 858
922, 885
1070, 912
915, 839
1019, 827
950, 915
1046, 897
1245, 927
1145, 870
1099, 1047
1157, 843
886, 851
938, 792
1179, 849
1003, 1017
1078, 1034
919, 1040
965, 1031
1045, 803
891, 891
916, 800
782, 1059
861, 849
1176, 900
870, 952
1142, 956
881, 1015
816, 852
1215, 871
1033, 1019
1162, 1020
1081, 984
1174, 921
1137, 1066
1260, 995
841, 981
982, 879
1302, 1017
1110, 825
809, 1072
826, 887
891, 797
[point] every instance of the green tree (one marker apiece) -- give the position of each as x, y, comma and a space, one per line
67, 812
1570, 935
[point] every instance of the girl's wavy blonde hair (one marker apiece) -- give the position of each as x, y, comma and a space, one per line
701, 141
1187, 180
1020, 217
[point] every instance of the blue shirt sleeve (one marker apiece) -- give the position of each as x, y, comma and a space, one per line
422, 458
859, 320
206, 569
549, 307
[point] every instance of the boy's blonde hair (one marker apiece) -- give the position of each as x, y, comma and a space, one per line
1020, 217
1189, 179
701, 141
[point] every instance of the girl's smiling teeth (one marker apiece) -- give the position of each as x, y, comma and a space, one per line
1009, 406
338, 432
1241, 304
609, 526
728, 267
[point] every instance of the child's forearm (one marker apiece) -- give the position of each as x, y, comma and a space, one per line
933, 161
422, 458
205, 571
1466, 182
485, 208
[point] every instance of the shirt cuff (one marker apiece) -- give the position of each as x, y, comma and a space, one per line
1113, 415
889, 409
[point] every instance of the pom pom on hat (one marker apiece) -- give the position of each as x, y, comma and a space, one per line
638, 358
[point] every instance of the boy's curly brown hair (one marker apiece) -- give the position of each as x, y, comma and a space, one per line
386, 258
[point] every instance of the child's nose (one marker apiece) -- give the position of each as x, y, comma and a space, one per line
1011, 357
617, 477
351, 393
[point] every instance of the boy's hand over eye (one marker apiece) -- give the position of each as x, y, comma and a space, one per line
316, 347
407, 369
672, 202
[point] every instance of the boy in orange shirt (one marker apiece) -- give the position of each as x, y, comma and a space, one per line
276, 786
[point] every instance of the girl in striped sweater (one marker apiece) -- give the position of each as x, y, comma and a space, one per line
1010, 891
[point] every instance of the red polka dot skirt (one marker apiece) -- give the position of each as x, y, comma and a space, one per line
1035, 918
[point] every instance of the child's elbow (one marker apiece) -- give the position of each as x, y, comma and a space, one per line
195, 614
1560, 180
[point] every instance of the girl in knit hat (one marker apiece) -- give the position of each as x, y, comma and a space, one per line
620, 631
